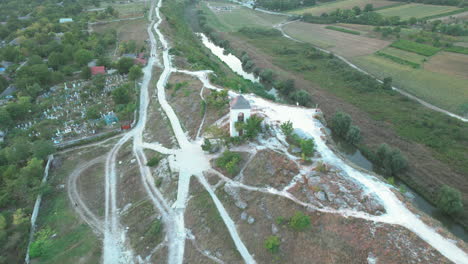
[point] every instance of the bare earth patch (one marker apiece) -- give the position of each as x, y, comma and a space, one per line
186, 101
341, 43
270, 168
208, 228
450, 63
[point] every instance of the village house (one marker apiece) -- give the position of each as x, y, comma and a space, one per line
239, 112
65, 20
98, 70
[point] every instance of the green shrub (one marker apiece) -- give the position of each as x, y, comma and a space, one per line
154, 161
287, 128
272, 244
449, 200
41, 244
217, 99
156, 227
229, 161
302, 97
457, 49
307, 147
252, 127
415, 47
299, 221
207, 146
353, 136
3, 222
390, 160
340, 124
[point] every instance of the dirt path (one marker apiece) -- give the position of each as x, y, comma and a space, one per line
75, 198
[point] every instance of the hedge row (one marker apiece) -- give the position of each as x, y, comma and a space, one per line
415, 47
344, 30
398, 60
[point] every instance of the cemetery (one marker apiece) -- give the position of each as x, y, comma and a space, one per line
75, 110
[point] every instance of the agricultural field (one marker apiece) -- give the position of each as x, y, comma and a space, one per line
229, 18
341, 43
346, 4
416, 10
446, 91
130, 30
404, 55
449, 63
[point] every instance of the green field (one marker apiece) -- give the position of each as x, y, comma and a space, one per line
416, 10
429, 86
345, 4
409, 56
238, 17
345, 30
411, 46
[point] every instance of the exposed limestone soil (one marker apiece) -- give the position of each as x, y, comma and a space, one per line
270, 168
207, 227
330, 239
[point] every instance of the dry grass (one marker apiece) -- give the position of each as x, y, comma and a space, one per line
340, 43
449, 63
346, 4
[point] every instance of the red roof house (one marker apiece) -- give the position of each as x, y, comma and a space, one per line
140, 61
98, 70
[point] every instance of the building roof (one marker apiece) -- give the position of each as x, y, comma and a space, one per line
65, 20
240, 103
98, 70
140, 61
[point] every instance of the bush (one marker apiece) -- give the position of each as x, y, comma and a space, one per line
154, 161
272, 244
354, 135
307, 147
302, 97
449, 200
229, 161
3, 222
287, 128
340, 124
299, 221
207, 146
155, 228
252, 127
41, 244
391, 160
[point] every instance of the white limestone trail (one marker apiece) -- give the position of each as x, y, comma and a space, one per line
114, 248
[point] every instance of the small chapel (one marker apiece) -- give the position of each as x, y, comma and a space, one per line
239, 112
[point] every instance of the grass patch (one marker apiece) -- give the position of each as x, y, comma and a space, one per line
416, 10
333, 5
344, 30
415, 47
398, 59
430, 86
458, 49
238, 18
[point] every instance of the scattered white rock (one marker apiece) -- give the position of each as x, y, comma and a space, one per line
321, 196
251, 220
244, 216
274, 229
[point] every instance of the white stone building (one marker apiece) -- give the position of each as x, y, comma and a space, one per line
240, 112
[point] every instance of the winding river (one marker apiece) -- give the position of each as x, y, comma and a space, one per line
350, 152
